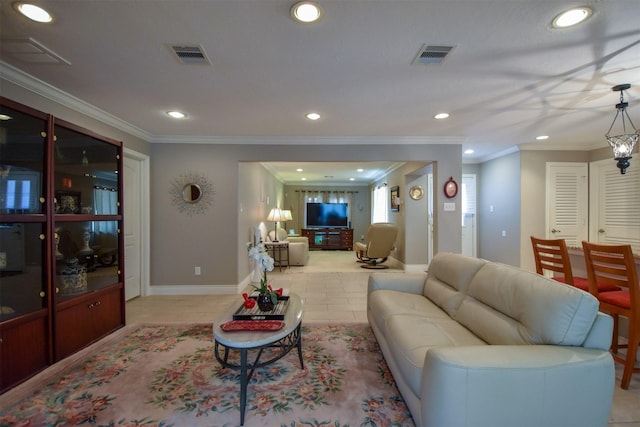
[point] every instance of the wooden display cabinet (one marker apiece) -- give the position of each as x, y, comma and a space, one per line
61, 250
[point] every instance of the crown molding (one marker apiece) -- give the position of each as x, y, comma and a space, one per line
20, 78
308, 140
556, 147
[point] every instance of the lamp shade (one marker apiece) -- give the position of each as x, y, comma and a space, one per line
276, 215
287, 214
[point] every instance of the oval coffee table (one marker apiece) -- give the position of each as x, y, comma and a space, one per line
282, 340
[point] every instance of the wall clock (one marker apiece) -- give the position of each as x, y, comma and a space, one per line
451, 188
416, 192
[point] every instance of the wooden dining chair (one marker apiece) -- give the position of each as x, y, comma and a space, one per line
615, 265
553, 255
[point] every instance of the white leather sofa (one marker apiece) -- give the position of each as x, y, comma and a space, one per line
477, 343
298, 246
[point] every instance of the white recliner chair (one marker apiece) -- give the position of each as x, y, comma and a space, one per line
381, 237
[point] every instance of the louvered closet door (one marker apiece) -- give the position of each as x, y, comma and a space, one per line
567, 202
616, 204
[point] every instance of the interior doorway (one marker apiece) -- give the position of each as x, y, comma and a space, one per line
469, 217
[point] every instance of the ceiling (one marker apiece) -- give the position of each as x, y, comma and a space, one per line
324, 173
509, 78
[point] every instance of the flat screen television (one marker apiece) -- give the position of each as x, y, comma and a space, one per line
327, 215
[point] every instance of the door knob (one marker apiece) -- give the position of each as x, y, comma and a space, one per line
553, 230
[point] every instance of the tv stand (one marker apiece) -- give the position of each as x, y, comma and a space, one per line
329, 238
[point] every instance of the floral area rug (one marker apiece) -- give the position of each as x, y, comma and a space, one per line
167, 375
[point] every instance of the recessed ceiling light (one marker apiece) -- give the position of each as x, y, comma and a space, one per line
441, 116
177, 114
299, 170
360, 170
5, 117
571, 17
541, 137
352, 179
303, 179
306, 11
469, 151
313, 116
33, 12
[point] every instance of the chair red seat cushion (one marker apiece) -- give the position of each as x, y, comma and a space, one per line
619, 298
583, 284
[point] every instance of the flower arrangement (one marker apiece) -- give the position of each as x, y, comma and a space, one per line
265, 263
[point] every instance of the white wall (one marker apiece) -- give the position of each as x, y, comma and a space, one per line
216, 240
499, 210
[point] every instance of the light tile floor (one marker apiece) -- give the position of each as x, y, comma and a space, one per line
334, 289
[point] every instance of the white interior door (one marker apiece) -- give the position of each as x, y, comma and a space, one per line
615, 205
133, 248
567, 202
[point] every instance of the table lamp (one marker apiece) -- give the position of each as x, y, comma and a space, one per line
276, 215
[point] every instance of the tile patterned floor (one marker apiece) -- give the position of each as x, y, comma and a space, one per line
333, 287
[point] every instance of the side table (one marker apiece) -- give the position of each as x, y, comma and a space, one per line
279, 252
283, 340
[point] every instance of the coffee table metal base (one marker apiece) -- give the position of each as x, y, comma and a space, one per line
282, 346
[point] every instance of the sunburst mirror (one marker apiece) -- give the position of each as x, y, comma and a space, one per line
192, 193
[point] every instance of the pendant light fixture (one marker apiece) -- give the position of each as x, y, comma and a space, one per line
623, 143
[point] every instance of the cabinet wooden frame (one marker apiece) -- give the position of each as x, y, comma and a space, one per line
44, 327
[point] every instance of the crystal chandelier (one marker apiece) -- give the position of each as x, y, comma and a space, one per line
622, 144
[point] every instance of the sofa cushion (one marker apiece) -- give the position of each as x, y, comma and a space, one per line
413, 324
448, 279
507, 305
411, 336
386, 303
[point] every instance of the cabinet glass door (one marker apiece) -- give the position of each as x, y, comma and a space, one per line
22, 156
21, 269
85, 174
86, 257
22, 208
87, 212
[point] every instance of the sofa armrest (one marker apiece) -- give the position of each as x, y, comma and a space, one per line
601, 332
523, 385
297, 239
404, 282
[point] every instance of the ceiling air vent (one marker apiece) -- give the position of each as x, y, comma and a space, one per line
190, 54
432, 54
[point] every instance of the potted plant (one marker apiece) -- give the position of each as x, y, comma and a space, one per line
267, 298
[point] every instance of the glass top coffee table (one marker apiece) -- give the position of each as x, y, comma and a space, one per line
282, 341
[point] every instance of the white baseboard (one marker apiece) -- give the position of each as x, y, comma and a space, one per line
198, 289
193, 290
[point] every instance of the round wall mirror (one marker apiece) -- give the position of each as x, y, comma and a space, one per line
191, 193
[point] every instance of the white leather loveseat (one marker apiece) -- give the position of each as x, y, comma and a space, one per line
477, 343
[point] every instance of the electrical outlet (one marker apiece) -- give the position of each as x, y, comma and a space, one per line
197, 271
3, 260
504, 233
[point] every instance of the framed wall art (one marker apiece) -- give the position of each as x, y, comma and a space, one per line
395, 199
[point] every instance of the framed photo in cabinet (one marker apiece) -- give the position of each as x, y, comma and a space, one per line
68, 202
